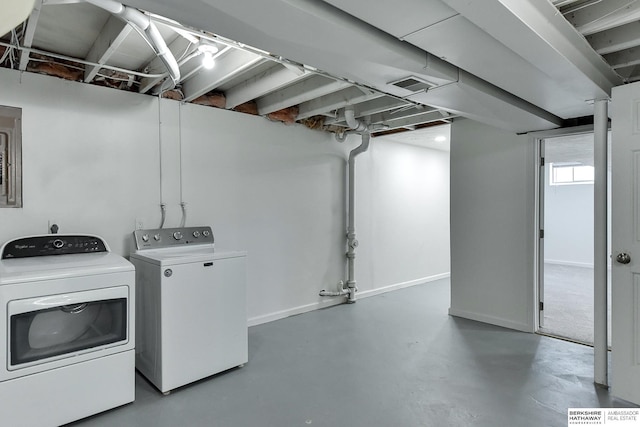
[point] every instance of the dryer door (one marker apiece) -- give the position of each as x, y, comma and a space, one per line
54, 327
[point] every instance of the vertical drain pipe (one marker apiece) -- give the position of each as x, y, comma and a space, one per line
352, 242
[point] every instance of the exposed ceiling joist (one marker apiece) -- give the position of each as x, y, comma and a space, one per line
404, 115
624, 58
235, 62
368, 108
271, 80
298, 93
336, 100
615, 39
419, 119
604, 15
114, 32
32, 24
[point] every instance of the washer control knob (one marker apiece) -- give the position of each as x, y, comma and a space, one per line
145, 237
196, 234
58, 243
206, 233
156, 237
177, 235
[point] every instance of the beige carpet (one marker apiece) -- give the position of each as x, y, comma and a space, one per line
568, 303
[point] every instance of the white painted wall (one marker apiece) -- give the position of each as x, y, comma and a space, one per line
92, 163
568, 215
492, 225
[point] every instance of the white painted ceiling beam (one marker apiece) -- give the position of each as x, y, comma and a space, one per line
114, 32
624, 58
405, 115
298, 93
368, 108
604, 15
616, 39
177, 48
414, 120
271, 80
32, 24
334, 101
228, 66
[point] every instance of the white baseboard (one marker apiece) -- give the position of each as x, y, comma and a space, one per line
497, 321
396, 286
331, 301
568, 263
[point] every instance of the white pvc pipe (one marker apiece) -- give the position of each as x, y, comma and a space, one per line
143, 22
601, 353
352, 242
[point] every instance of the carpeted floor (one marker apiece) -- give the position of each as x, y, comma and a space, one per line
568, 303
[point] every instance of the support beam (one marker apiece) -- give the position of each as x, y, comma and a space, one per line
600, 258
349, 96
271, 80
177, 48
32, 24
616, 39
114, 32
604, 15
298, 93
227, 67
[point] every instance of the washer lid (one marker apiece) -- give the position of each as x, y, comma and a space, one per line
183, 255
32, 269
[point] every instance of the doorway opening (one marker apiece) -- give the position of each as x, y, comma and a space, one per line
566, 274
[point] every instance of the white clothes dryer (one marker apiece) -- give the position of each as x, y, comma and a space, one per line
67, 328
191, 306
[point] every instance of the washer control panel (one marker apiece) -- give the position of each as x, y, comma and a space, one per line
171, 237
53, 244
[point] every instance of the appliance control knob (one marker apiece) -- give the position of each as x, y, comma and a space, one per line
196, 234
145, 237
156, 237
177, 235
58, 243
206, 233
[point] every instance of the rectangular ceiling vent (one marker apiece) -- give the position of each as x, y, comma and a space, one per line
413, 84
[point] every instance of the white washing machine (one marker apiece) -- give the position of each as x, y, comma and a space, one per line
67, 327
191, 306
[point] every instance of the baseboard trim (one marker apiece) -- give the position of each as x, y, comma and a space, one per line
331, 301
402, 285
497, 321
568, 263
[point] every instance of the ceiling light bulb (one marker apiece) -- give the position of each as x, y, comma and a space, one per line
440, 138
207, 60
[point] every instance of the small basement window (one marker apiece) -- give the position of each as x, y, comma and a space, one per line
570, 173
10, 157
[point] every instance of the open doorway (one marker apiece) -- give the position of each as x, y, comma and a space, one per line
567, 247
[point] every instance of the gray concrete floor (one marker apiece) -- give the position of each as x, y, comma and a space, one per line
396, 359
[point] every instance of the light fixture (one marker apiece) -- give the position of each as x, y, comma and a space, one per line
440, 138
207, 51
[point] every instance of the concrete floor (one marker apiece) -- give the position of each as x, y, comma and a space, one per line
395, 359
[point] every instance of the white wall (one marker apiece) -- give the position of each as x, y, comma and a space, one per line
568, 224
492, 225
402, 214
92, 163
